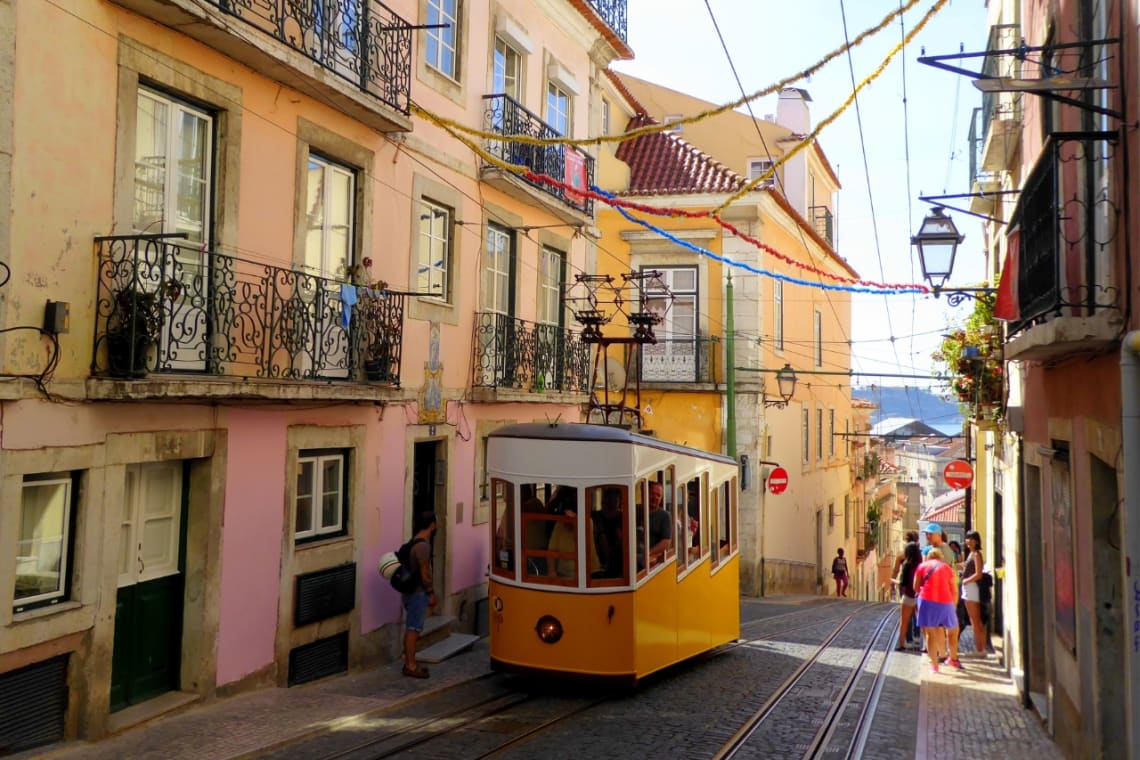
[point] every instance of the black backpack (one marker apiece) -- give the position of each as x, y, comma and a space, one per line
405, 580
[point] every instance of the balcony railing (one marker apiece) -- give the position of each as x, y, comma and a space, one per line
362, 41
613, 12
1000, 105
513, 353
824, 223
506, 116
1065, 224
680, 360
167, 307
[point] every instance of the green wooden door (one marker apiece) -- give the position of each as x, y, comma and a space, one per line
147, 658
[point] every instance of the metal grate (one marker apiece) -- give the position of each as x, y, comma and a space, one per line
324, 593
33, 701
320, 659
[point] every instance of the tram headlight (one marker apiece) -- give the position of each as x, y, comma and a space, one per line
548, 629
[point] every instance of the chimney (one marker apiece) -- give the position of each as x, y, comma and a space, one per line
792, 110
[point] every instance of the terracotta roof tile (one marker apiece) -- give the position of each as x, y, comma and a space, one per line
664, 164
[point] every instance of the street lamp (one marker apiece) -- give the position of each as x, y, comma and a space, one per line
937, 242
786, 381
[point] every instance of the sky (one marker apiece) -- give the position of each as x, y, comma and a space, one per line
676, 45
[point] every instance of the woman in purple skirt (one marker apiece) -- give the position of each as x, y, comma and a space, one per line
937, 606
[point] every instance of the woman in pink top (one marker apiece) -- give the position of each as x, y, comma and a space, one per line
937, 606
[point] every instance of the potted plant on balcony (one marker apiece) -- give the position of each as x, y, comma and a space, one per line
371, 315
971, 355
134, 326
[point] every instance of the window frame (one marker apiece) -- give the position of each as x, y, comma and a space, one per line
508, 236
437, 13
763, 164
507, 50
329, 167
805, 433
831, 438
819, 434
556, 95
171, 175
315, 533
605, 116
778, 313
424, 243
548, 254
63, 591
818, 338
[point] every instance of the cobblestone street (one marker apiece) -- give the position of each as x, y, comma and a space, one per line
689, 712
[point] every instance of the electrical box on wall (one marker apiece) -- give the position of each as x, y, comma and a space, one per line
57, 317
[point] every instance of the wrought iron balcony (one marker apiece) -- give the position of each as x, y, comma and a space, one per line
525, 356
824, 223
1068, 230
614, 13
165, 307
680, 360
572, 166
362, 41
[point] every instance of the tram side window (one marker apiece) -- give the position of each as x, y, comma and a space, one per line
549, 515
682, 535
503, 518
606, 506
668, 524
639, 506
714, 514
727, 519
694, 530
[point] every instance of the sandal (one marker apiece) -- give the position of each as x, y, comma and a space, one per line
419, 672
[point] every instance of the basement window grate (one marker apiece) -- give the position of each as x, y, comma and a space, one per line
321, 659
324, 594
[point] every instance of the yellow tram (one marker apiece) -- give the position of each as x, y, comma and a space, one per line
614, 554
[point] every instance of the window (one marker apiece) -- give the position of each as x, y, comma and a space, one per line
434, 251
322, 494
557, 109
498, 271
674, 356
831, 514
831, 433
673, 118
605, 116
173, 150
330, 213
607, 507
43, 550
549, 534
819, 434
441, 46
506, 70
778, 312
503, 517
847, 515
551, 276
757, 168
818, 339
805, 431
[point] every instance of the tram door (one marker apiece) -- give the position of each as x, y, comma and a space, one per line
429, 492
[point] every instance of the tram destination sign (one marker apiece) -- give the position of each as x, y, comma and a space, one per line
778, 480
958, 474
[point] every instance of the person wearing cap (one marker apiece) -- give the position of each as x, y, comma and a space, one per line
935, 538
934, 585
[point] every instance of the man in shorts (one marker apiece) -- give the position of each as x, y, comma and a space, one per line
418, 601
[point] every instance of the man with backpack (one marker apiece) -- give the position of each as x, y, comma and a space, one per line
416, 555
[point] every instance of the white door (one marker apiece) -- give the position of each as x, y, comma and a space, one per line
152, 508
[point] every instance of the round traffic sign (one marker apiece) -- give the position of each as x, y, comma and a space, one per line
778, 480
958, 474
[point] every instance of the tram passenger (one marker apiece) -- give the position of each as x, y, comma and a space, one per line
608, 534
660, 524
564, 536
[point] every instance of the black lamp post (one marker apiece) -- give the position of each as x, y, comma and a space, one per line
937, 241
786, 381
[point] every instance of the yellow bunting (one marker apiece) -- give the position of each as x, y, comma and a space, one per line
811, 137
451, 124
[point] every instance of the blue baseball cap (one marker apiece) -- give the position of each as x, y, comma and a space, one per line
933, 528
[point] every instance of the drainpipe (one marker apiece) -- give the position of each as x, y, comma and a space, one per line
729, 370
1130, 430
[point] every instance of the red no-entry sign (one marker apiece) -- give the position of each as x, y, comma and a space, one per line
778, 480
958, 474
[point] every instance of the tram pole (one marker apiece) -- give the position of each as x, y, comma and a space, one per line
729, 370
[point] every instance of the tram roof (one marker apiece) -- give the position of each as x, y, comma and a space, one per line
586, 432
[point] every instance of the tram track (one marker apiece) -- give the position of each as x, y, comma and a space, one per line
828, 727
